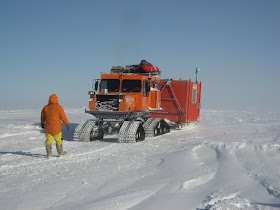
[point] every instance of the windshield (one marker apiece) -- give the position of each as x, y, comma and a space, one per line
131, 85
112, 85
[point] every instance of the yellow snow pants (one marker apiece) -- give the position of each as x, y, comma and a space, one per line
57, 138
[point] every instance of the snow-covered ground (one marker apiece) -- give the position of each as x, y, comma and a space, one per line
230, 160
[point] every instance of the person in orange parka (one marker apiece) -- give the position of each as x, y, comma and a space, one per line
51, 117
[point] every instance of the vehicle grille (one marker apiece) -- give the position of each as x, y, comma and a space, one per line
107, 103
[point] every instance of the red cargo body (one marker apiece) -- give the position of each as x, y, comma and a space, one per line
180, 101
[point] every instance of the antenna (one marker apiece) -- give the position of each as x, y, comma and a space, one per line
197, 70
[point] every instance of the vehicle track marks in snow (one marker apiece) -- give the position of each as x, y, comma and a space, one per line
91, 152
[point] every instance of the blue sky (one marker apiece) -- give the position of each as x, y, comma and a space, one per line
59, 46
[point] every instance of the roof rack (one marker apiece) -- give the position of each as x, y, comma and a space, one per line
121, 69
135, 69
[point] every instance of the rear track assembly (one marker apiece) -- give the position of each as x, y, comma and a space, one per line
131, 131
155, 126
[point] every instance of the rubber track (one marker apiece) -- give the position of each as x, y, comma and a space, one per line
127, 133
83, 130
150, 125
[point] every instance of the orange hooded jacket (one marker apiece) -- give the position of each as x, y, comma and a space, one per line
52, 114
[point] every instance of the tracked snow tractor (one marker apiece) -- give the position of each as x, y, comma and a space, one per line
133, 101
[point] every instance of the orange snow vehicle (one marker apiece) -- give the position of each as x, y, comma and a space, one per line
135, 102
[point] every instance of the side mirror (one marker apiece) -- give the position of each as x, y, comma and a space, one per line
96, 86
148, 86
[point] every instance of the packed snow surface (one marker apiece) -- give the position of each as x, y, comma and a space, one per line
229, 160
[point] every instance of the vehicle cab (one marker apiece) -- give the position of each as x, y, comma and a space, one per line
123, 91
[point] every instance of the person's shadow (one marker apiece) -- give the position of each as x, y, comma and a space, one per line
23, 153
67, 135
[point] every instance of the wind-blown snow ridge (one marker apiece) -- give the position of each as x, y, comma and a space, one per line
198, 181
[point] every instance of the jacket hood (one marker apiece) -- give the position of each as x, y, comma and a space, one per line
53, 99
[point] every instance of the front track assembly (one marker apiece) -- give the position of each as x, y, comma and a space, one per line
88, 131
